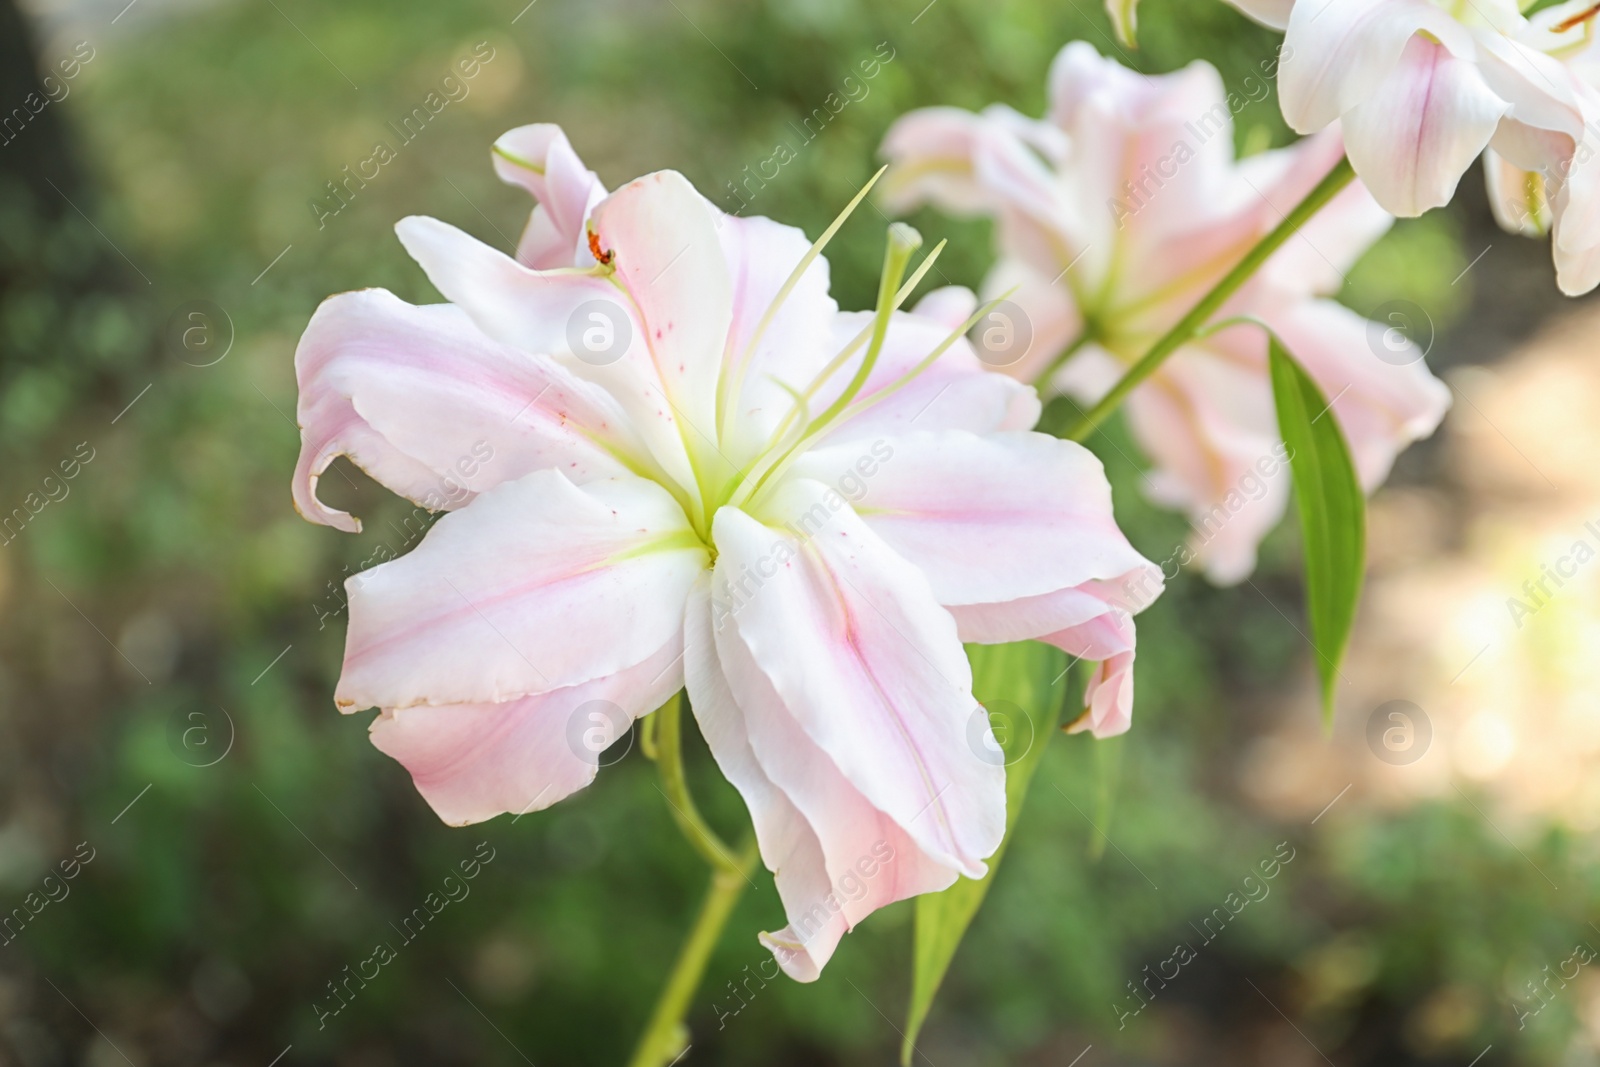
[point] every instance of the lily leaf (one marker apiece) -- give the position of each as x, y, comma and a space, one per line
1333, 512
1018, 684
1125, 20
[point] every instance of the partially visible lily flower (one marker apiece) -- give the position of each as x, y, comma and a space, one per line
681, 464
1124, 15
1422, 87
1115, 214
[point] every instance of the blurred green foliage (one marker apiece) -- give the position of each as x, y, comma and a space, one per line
176, 582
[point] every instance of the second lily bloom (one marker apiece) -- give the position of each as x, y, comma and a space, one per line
1115, 214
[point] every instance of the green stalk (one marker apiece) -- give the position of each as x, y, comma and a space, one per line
665, 1035
903, 241
669, 757
1339, 177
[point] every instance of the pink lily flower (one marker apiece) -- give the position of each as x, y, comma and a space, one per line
1115, 214
670, 474
1422, 88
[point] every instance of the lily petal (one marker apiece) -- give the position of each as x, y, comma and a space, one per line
472, 762
541, 160
670, 265
1108, 697
1207, 421
1414, 136
987, 519
930, 152
794, 347
1344, 50
539, 585
870, 666
421, 400
835, 857
541, 312
955, 392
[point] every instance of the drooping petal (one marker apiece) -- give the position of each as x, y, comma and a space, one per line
856, 647
541, 160
1414, 136
472, 762
1092, 622
1017, 537
1108, 640
789, 846
987, 519
425, 403
1341, 52
550, 313
538, 586
835, 857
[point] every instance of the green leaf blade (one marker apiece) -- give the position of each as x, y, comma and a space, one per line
1023, 676
1332, 509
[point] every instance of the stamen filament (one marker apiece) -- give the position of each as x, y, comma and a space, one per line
818, 427
858, 340
727, 388
903, 241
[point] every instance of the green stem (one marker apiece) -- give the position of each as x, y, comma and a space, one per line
1330, 186
669, 757
665, 1036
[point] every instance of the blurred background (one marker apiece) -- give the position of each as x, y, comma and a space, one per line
195, 847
